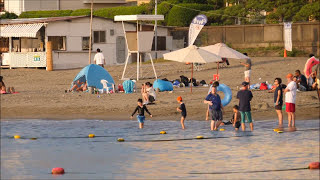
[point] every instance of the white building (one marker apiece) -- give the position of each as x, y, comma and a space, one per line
70, 41
19, 6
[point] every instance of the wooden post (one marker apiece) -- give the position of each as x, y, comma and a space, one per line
90, 38
49, 56
191, 77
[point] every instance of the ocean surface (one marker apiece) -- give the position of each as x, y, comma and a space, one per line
261, 154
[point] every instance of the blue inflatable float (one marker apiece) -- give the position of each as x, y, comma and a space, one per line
162, 85
227, 93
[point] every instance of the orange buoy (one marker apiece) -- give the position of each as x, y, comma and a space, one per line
57, 170
314, 165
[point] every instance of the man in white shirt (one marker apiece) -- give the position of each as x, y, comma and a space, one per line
291, 92
99, 58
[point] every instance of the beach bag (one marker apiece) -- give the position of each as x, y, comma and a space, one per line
176, 83
263, 86
120, 88
203, 82
184, 80
194, 82
128, 86
162, 85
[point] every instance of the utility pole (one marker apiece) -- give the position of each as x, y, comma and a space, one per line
156, 30
90, 38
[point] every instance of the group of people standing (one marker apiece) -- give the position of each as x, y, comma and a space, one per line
241, 112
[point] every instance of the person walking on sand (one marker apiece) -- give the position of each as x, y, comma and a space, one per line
183, 110
290, 95
247, 72
245, 96
215, 107
278, 100
140, 117
99, 58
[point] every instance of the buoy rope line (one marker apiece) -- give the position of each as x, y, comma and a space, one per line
153, 134
184, 139
258, 171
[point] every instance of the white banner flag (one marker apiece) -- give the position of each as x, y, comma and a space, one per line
287, 32
195, 27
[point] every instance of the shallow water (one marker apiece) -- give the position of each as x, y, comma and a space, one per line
65, 144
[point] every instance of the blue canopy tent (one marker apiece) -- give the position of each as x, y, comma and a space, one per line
93, 74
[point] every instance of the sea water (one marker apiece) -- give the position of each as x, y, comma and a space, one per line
226, 155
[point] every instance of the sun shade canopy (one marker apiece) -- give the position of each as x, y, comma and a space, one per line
21, 30
138, 18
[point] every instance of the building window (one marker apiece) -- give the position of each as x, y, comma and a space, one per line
161, 43
99, 36
85, 43
111, 32
58, 43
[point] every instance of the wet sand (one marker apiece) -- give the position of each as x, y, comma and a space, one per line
42, 94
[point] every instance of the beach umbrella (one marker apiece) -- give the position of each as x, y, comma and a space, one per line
192, 54
224, 51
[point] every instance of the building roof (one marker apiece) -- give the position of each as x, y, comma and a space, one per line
21, 30
140, 17
37, 20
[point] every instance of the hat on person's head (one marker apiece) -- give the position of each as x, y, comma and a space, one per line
289, 75
244, 83
179, 98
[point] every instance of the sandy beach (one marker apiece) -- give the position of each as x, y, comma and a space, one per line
42, 93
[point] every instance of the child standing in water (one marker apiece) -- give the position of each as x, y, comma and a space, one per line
140, 117
183, 110
235, 121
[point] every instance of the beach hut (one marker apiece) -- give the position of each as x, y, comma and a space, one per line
93, 74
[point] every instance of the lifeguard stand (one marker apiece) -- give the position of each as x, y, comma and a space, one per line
138, 41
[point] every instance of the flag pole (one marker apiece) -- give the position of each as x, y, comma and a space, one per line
90, 38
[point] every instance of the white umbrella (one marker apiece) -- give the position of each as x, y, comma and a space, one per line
192, 54
223, 50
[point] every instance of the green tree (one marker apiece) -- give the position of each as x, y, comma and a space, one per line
309, 10
183, 14
8, 15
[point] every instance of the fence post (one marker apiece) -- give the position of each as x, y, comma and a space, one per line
49, 56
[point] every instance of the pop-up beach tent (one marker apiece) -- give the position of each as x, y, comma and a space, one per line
93, 74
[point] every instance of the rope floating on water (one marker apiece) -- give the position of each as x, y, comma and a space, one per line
258, 171
153, 134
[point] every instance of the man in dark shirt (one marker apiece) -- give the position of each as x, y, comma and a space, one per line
245, 96
301, 81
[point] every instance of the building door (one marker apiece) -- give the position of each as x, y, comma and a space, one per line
121, 49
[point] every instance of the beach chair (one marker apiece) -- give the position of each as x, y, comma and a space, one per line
105, 86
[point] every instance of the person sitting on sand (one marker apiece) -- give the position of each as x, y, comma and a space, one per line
301, 81
2, 86
215, 107
183, 110
140, 117
245, 96
235, 121
278, 100
79, 86
290, 94
148, 93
